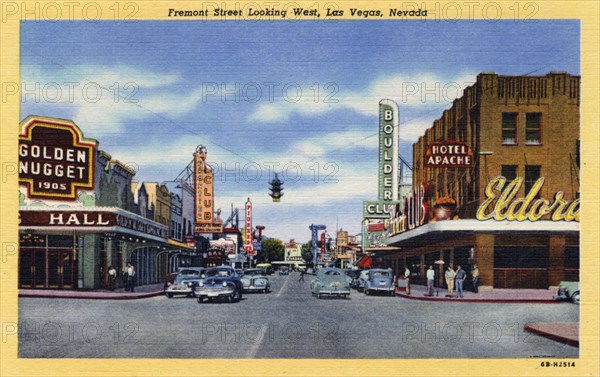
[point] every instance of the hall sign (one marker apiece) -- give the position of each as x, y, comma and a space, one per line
448, 154
55, 160
501, 203
87, 219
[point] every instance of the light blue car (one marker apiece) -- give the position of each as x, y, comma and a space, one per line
254, 280
331, 282
379, 280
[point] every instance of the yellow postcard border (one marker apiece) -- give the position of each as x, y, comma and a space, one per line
587, 364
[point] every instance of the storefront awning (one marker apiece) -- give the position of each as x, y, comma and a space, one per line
180, 245
365, 262
443, 230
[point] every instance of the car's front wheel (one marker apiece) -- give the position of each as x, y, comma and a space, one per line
169, 295
200, 299
235, 296
575, 298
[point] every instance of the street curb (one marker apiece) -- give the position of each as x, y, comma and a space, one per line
92, 296
486, 301
556, 337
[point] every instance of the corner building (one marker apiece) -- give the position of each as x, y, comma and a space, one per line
525, 127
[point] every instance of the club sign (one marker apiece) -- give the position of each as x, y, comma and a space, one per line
55, 160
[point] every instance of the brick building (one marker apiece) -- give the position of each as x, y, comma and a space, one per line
518, 127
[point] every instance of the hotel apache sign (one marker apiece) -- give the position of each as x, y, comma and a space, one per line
55, 160
448, 154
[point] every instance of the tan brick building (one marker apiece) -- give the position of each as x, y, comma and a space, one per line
524, 127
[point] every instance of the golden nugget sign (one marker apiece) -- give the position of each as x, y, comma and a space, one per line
55, 160
448, 154
505, 206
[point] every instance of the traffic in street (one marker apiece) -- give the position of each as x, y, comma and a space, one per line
288, 321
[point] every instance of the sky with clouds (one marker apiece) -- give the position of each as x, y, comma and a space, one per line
299, 98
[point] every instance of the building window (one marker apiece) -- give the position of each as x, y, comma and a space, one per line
532, 174
509, 128
533, 129
509, 172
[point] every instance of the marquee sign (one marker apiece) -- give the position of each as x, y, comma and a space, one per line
414, 213
92, 219
248, 247
448, 154
388, 162
505, 206
204, 191
388, 150
55, 160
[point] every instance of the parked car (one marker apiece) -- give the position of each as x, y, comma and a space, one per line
362, 278
254, 280
379, 280
330, 282
169, 280
354, 275
284, 271
266, 267
185, 282
219, 283
568, 290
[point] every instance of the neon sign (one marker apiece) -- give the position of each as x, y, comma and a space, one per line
506, 206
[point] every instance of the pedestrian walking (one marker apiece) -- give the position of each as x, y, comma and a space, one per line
475, 274
407, 278
449, 275
112, 277
459, 279
130, 273
302, 272
430, 280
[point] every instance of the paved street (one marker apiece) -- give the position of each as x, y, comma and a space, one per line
287, 323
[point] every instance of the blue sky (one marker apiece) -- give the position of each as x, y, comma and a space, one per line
299, 94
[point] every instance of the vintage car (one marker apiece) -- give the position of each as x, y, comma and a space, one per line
254, 280
379, 280
354, 275
284, 270
219, 283
568, 290
359, 283
184, 282
265, 267
330, 282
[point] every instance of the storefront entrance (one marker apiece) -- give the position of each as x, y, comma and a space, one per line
47, 261
46, 268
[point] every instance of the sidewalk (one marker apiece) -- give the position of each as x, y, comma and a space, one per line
565, 332
500, 296
143, 291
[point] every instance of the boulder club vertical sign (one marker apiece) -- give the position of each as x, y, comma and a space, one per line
248, 246
55, 160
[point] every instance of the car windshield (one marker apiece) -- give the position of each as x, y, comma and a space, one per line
380, 274
218, 272
254, 272
189, 272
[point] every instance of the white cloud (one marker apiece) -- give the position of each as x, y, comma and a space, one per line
102, 99
424, 90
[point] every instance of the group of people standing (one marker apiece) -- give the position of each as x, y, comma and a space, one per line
454, 280
129, 273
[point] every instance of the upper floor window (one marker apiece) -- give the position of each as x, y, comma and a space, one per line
509, 128
509, 172
532, 174
533, 129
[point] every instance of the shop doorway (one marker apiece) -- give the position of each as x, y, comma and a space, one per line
46, 268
